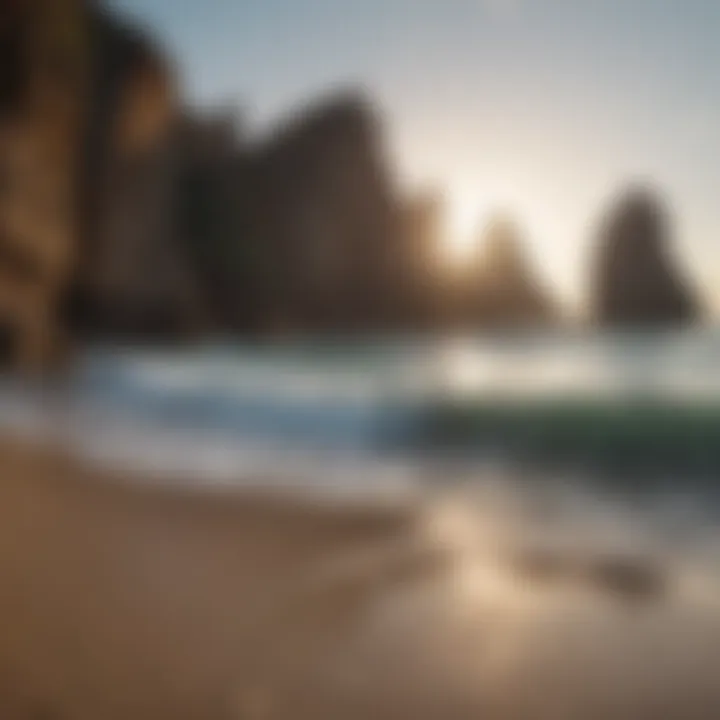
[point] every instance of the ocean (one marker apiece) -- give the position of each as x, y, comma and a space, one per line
566, 484
623, 412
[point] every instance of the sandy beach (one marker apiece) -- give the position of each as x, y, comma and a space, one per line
123, 601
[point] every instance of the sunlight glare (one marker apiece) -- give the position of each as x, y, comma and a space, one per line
464, 217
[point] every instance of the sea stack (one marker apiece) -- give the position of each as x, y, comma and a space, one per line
320, 213
506, 292
637, 280
423, 297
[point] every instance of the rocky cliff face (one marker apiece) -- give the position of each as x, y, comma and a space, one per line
43, 82
319, 219
636, 279
123, 214
87, 177
212, 184
423, 298
132, 277
298, 232
156, 211
504, 291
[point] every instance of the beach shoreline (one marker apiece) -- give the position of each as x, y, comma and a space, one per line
129, 599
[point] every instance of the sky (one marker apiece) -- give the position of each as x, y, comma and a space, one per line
542, 108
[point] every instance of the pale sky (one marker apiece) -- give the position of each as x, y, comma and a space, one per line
541, 107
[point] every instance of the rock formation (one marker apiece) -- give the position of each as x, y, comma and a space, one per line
504, 292
295, 232
132, 277
86, 193
212, 186
319, 220
423, 300
121, 214
636, 280
43, 83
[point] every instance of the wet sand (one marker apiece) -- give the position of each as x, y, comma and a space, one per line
121, 601
125, 602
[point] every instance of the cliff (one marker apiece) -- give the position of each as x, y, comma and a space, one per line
422, 300
636, 278
166, 222
504, 290
212, 184
319, 220
132, 277
43, 83
87, 200
294, 232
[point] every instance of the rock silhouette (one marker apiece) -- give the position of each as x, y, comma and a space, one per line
212, 182
87, 241
504, 291
42, 88
318, 221
637, 281
421, 302
132, 277
124, 213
